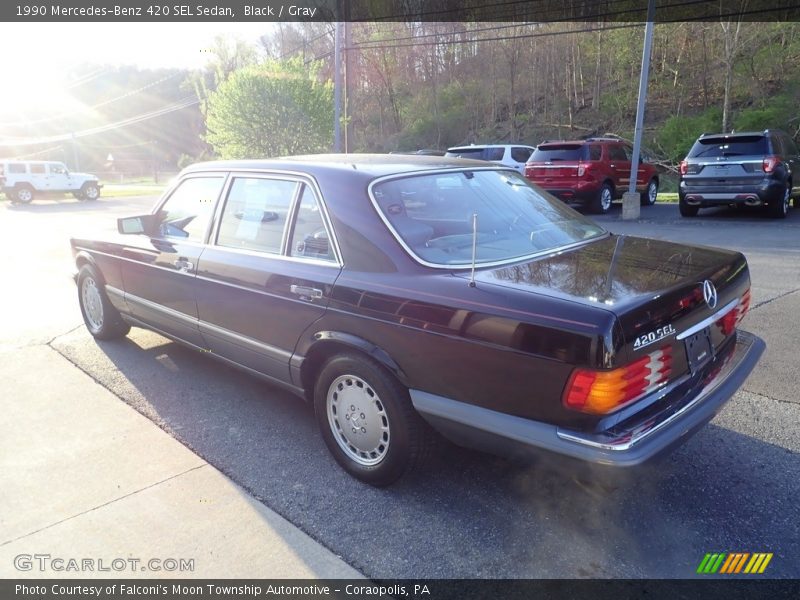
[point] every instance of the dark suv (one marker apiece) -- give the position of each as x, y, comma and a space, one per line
594, 171
745, 169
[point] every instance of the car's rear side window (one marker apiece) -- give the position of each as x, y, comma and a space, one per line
187, 212
552, 152
713, 147
520, 154
255, 214
16, 168
309, 237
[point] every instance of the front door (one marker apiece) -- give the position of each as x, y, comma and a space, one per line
158, 271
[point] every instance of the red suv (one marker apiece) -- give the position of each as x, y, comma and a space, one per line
594, 171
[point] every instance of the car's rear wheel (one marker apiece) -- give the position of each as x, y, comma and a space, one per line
687, 210
367, 420
601, 203
101, 318
650, 195
90, 191
780, 208
23, 194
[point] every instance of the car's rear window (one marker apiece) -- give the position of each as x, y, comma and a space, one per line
713, 147
552, 153
477, 153
432, 215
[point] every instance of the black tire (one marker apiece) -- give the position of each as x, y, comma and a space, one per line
101, 318
23, 194
90, 191
650, 195
780, 209
602, 201
393, 439
77, 196
687, 210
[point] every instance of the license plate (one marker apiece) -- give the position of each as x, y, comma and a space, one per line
699, 349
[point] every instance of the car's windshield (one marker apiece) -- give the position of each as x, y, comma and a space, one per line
433, 216
713, 147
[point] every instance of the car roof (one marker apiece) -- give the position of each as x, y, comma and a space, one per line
478, 146
371, 166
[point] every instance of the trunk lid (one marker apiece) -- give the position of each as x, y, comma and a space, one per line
655, 288
555, 164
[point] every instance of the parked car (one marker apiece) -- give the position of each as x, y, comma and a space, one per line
510, 155
594, 172
403, 295
740, 169
25, 179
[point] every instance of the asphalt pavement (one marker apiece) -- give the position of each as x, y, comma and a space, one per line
732, 488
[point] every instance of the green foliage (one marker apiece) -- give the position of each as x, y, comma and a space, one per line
271, 109
776, 114
679, 132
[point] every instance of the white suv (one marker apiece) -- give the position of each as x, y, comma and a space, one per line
510, 155
24, 179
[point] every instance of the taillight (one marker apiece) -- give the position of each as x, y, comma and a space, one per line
769, 164
581, 169
684, 167
601, 392
730, 321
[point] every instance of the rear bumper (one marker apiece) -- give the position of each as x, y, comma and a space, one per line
684, 409
760, 192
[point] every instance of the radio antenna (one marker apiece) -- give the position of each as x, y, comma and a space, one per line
474, 247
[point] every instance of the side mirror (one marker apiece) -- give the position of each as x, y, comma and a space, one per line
136, 225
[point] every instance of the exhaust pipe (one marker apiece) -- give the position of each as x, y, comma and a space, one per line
692, 200
752, 201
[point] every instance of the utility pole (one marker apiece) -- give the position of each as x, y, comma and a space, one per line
631, 207
348, 81
337, 86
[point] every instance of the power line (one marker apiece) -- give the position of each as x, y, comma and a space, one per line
181, 104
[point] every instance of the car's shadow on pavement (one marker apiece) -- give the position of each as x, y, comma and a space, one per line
466, 514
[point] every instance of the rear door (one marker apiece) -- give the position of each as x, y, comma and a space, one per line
620, 166
158, 272
268, 273
555, 166
39, 177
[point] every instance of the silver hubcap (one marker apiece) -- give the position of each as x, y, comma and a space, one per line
91, 192
605, 199
92, 304
652, 193
24, 195
358, 420
786, 195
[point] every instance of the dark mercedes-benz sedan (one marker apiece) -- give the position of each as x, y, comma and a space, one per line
405, 295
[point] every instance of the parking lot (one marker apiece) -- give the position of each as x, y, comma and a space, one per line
732, 488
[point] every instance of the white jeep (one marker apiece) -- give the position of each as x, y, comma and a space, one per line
25, 179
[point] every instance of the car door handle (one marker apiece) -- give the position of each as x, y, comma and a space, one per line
305, 292
184, 265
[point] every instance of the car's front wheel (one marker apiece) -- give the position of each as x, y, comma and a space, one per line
367, 420
90, 191
650, 195
101, 318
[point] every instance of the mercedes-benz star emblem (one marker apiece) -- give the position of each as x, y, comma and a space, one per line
710, 294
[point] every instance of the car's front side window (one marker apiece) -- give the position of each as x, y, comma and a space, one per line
58, 169
433, 216
187, 212
255, 214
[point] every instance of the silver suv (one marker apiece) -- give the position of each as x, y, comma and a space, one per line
749, 168
25, 179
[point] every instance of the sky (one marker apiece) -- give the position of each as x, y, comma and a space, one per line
44, 52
